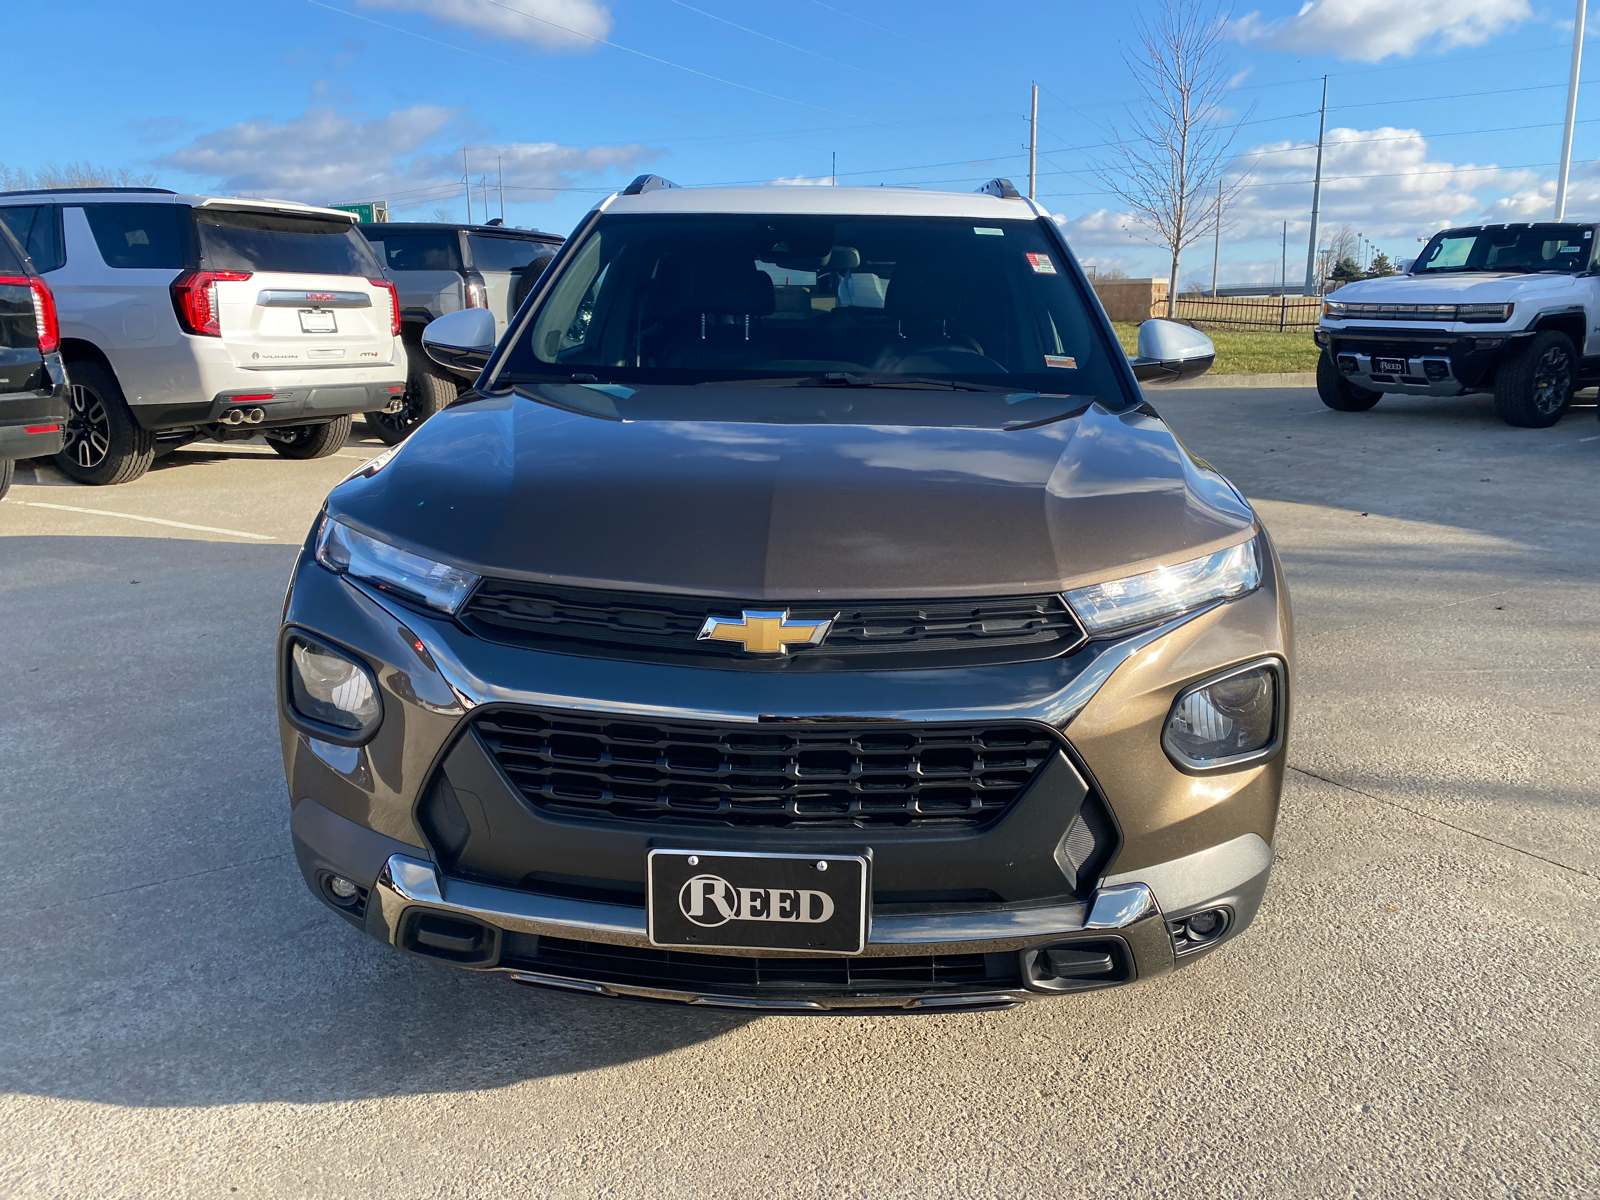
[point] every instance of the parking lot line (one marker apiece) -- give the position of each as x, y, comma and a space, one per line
101, 512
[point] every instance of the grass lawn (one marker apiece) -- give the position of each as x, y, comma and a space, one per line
1240, 353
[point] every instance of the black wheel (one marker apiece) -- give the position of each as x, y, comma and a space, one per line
428, 390
311, 441
1339, 393
1533, 389
8, 468
104, 444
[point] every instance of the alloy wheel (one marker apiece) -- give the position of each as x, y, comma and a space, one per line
1552, 380
88, 428
404, 421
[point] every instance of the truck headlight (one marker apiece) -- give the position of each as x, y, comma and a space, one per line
1229, 720
345, 551
329, 688
1491, 313
1167, 591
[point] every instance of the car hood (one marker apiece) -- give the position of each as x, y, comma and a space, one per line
510, 486
1472, 287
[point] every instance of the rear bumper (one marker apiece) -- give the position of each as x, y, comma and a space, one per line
297, 405
33, 423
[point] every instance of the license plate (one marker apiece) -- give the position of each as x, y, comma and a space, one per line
814, 903
314, 320
1390, 366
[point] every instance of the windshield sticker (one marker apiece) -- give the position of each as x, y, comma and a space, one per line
988, 232
1041, 264
1058, 360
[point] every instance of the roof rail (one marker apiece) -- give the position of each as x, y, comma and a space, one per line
51, 191
647, 183
1003, 188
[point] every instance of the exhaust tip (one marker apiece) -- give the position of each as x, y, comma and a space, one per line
256, 415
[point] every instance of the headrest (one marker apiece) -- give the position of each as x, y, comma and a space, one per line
842, 258
923, 291
730, 286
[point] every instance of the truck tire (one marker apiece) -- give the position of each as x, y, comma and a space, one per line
428, 390
8, 468
1533, 389
104, 444
311, 441
1339, 393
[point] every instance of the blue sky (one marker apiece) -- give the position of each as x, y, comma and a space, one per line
1441, 111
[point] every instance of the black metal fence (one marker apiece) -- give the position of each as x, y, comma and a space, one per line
1281, 314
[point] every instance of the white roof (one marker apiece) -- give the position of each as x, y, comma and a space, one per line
828, 201
115, 196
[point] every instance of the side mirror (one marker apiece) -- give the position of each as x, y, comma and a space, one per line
462, 341
1169, 352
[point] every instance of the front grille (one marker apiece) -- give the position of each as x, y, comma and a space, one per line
765, 774
727, 975
865, 634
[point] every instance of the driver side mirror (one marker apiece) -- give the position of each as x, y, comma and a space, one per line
462, 341
1169, 352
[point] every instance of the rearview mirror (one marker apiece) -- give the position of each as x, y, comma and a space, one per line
462, 341
1169, 352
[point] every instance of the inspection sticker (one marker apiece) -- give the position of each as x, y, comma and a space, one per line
1060, 360
988, 231
1041, 264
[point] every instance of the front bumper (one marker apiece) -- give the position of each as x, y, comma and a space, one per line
561, 900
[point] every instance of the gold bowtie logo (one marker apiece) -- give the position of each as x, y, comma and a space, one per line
765, 632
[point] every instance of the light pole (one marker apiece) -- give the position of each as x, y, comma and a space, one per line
1316, 192
1572, 112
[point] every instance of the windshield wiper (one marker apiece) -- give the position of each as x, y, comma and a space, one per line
919, 382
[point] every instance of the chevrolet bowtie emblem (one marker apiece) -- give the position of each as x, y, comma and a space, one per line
765, 632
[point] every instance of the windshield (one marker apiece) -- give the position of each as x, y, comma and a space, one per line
490, 253
856, 301
257, 241
1520, 248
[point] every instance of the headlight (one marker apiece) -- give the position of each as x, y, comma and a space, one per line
390, 569
1484, 312
1167, 591
1229, 720
328, 688
1333, 309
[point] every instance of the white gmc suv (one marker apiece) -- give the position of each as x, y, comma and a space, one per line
1513, 310
193, 316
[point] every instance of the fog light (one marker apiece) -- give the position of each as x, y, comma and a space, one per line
329, 689
1347, 364
1228, 720
1201, 927
1199, 930
1436, 370
342, 887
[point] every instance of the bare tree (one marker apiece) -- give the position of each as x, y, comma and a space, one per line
1167, 163
72, 174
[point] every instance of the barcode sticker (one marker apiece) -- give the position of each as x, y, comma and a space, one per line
1041, 264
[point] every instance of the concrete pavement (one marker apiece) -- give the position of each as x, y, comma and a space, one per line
1414, 1013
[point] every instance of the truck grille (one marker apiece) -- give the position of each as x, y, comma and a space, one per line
773, 775
865, 634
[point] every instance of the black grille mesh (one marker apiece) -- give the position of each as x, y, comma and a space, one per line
629, 624
765, 774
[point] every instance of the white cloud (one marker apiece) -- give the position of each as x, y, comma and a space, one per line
549, 24
326, 156
1370, 30
803, 181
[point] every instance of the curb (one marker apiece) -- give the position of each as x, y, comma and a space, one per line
1282, 379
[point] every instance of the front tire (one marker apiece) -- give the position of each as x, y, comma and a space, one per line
1533, 389
428, 390
311, 441
104, 444
1339, 393
8, 468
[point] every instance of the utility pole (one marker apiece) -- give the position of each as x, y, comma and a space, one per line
500, 169
1314, 285
1033, 143
466, 178
483, 182
833, 172
1572, 112
1216, 240
1283, 260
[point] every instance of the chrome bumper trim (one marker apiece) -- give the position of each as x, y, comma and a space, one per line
407, 882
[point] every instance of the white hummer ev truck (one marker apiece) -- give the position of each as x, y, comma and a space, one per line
1512, 310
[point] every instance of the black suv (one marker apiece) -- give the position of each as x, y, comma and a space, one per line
33, 386
438, 269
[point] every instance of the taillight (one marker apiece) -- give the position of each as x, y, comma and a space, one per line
194, 298
46, 326
477, 295
394, 304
